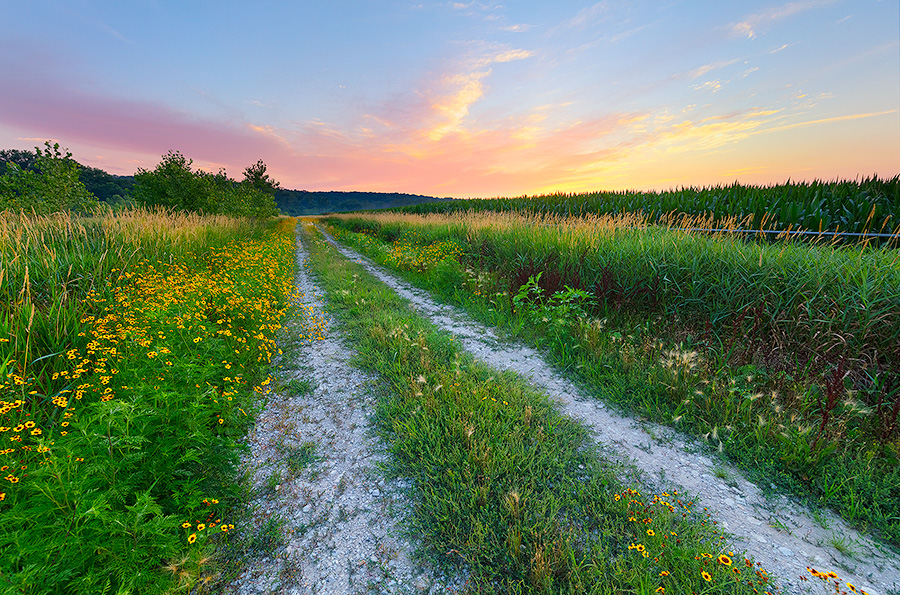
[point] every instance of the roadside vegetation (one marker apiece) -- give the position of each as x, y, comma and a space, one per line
503, 485
783, 357
870, 205
133, 348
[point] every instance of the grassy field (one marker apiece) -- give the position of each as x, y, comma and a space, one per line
132, 349
871, 205
782, 356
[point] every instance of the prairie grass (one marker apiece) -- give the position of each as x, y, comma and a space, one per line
504, 487
134, 346
782, 357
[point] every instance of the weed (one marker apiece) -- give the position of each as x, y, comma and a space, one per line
269, 537
295, 387
725, 475
300, 457
845, 545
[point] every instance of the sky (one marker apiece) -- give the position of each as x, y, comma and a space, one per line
461, 98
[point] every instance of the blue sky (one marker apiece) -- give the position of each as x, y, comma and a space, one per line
462, 98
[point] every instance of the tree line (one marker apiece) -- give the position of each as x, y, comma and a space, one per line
48, 180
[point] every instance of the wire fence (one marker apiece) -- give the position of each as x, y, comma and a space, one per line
895, 235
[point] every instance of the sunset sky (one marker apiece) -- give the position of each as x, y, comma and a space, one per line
461, 99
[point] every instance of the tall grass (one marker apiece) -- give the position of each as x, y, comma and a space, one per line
815, 304
785, 356
49, 263
871, 205
131, 347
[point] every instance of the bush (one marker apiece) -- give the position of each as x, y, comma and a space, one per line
52, 186
174, 184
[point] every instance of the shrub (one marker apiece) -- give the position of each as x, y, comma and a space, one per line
52, 186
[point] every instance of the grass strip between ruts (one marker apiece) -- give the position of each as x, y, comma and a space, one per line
504, 487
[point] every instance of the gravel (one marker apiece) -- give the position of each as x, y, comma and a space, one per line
337, 521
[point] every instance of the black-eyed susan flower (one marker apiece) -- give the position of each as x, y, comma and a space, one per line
192, 538
723, 559
706, 576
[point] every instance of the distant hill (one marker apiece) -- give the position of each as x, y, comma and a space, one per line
302, 202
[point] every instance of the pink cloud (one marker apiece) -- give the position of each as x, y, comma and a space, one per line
50, 108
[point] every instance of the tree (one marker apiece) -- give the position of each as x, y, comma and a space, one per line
174, 184
255, 175
24, 159
52, 184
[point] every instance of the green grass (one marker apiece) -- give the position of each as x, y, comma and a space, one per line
503, 485
140, 344
798, 427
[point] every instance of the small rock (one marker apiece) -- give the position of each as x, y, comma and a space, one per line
785, 551
307, 508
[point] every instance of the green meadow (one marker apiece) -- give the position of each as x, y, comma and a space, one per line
137, 346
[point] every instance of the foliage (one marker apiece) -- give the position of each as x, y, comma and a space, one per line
503, 484
50, 185
302, 202
22, 159
868, 205
131, 350
113, 190
256, 177
801, 422
174, 184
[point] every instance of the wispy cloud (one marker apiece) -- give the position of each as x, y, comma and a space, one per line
708, 86
749, 26
588, 16
707, 68
518, 28
830, 120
